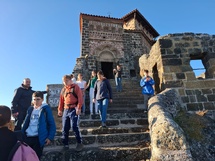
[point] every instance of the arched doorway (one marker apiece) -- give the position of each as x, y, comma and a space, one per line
107, 63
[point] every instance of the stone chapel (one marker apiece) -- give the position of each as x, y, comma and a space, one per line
107, 42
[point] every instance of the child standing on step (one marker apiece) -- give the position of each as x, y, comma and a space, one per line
82, 84
118, 78
69, 108
103, 94
39, 125
91, 84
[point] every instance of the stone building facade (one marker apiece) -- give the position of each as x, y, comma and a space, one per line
106, 42
169, 63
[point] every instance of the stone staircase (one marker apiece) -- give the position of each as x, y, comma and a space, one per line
125, 139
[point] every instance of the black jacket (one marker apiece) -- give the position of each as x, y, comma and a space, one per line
7, 140
22, 99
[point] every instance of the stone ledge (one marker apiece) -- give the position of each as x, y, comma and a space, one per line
168, 141
130, 128
132, 153
106, 139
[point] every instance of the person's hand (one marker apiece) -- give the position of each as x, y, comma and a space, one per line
15, 114
78, 111
111, 100
60, 113
94, 100
147, 79
47, 141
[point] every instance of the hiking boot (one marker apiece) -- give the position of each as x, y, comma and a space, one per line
104, 125
66, 147
79, 147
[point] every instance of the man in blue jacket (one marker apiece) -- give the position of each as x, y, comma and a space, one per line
147, 88
21, 101
39, 125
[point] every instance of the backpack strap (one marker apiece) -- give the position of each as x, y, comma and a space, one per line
13, 150
72, 90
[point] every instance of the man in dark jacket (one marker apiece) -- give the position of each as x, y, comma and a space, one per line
21, 101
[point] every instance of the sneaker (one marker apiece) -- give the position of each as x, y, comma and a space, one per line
79, 147
66, 147
104, 125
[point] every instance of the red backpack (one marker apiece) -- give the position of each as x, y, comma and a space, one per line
22, 152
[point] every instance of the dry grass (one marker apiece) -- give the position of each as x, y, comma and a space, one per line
192, 124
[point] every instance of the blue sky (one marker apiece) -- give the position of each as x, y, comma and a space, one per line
40, 39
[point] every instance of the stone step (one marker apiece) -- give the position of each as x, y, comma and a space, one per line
120, 139
131, 92
130, 153
119, 109
114, 122
117, 116
120, 103
122, 115
109, 130
126, 101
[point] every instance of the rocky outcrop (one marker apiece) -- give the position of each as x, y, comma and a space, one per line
168, 141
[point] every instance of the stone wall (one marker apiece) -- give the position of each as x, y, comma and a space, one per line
168, 141
53, 94
170, 59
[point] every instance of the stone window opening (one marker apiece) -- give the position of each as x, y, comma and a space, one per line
198, 68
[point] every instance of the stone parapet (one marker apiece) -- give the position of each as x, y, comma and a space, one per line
168, 141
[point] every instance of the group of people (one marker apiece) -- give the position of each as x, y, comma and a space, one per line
87, 86
34, 119
36, 123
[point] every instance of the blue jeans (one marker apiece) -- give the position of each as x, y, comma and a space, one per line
70, 118
102, 106
118, 84
83, 106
